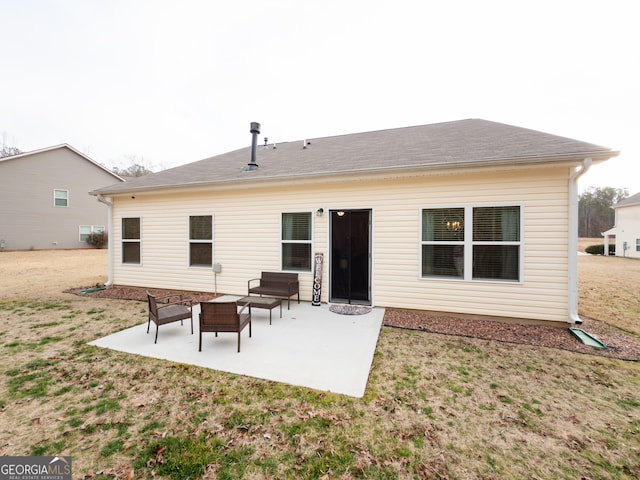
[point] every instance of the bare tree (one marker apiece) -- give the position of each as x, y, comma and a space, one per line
136, 168
595, 210
6, 150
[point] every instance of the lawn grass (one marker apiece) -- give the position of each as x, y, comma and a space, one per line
609, 289
436, 406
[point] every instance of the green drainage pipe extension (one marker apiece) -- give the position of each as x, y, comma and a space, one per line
587, 338
91, 290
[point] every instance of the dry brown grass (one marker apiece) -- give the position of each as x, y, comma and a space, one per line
436, 406
583, 243
609, 289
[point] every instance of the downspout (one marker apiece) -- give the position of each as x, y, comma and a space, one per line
109, 203
573, 240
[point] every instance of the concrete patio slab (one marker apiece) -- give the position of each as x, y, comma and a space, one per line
309, 346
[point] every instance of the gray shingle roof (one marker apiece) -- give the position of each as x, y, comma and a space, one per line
632, 200
462, 143
55, 147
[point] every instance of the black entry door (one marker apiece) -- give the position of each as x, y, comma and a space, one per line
350, 254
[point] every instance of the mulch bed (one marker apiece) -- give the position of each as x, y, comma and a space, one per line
140, 294
620, 344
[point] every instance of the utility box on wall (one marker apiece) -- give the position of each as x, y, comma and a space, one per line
217, 268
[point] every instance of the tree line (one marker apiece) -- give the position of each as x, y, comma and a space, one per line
135, 169
595, 210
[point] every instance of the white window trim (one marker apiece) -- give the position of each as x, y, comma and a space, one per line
67, 197
468, 244
92, 229
190, 241
122, 240
305, 242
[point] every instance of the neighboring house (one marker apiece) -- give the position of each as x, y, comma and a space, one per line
471, 216
45, 201
626, 229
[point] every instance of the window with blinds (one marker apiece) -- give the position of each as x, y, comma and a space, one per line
472, 243
131, 240
201, 241
496, 243
296, 241
443, 242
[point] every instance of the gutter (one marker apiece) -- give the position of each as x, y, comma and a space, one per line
573, 240
109, 203
264, 176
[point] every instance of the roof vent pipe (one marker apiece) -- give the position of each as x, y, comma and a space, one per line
255, 131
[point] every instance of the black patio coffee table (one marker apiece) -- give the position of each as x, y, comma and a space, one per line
261, 302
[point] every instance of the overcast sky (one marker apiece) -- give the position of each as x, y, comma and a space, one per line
170, 82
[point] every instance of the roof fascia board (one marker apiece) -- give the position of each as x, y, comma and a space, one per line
56, 147
41, 150
631, 204
356, 175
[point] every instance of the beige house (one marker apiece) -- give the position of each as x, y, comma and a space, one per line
626, 229
45, 201
470, 216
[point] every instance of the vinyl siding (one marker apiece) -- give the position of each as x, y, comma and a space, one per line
247, 238
627, 230
28, 217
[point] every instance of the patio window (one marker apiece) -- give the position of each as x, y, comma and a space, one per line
471, 243
443, 242
296, 241
201, 241
496, 243
87, 230
61, 198
131, 240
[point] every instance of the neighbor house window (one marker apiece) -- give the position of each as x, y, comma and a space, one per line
201, 241
637, 244
131, 240
61, 198
296, 241
472, 243
87, 230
